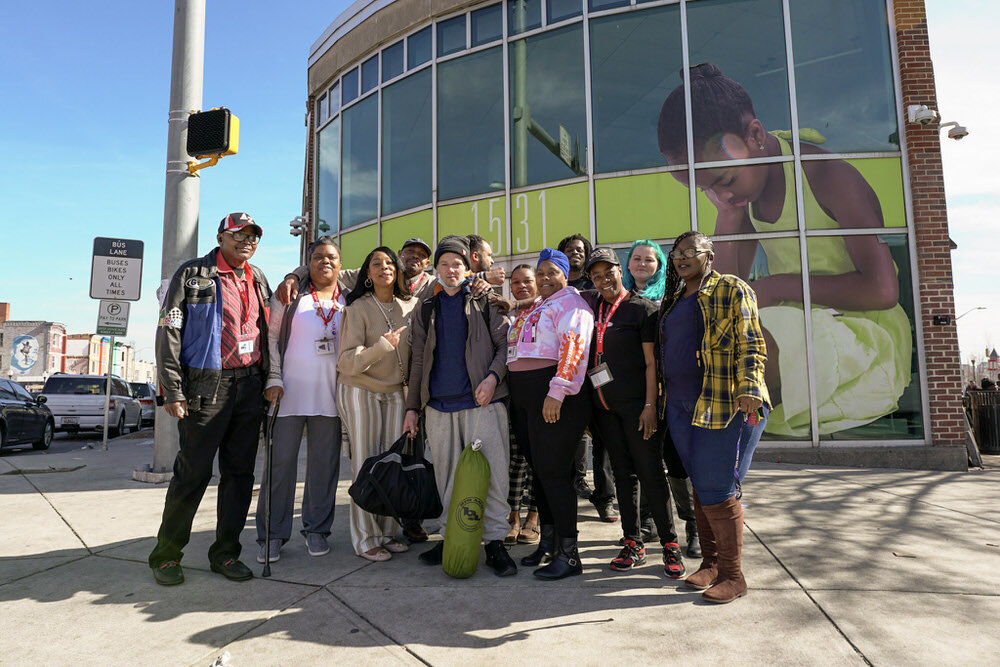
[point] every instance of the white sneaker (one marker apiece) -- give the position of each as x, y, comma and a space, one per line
317, 544
275, 552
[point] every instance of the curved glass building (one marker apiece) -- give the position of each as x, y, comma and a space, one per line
778, 127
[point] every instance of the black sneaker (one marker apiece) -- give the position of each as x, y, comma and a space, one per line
434, 555
632, 555
498, 559
583, 489
169, 574
233, 570
606, 511
673, 564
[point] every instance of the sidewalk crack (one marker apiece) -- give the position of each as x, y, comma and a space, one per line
809, 595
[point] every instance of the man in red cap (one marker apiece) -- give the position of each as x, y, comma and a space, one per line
211, 358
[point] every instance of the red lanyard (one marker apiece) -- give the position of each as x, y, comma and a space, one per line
515, 331
326, 317
601, 325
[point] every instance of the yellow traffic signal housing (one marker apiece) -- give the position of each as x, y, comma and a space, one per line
213, 132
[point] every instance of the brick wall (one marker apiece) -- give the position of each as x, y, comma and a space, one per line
930, 217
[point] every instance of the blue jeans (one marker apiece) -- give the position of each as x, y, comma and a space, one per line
709, 455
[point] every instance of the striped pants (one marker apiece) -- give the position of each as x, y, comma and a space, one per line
374, 421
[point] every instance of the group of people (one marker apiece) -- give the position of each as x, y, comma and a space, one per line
661, 359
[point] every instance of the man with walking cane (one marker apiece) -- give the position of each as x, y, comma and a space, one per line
211, 356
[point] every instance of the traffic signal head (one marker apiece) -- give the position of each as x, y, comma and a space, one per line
213, 132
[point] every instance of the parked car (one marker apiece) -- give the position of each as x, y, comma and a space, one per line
146, 393
24, 419
77, 403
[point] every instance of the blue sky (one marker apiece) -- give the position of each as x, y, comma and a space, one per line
85, 91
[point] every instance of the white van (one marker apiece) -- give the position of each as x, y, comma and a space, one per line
77, 404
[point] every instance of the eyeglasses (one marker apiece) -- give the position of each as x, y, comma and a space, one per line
243, 237
690, 253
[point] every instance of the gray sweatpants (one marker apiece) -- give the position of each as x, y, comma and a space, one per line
448, 433
322, 473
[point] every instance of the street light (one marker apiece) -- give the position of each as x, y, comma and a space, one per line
969, 311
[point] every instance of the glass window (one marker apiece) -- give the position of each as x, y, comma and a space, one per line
740, 45
548, 110
470, 125
369, 74
6, 392
451, 35
558, 10
487, 24
628, 90
843, 75
597, 5
334, 98
392, 61
360, 162
418, 48
524, 15
350, 85
321, 110
866, 192
328, 179
406, 143
728, 201
868, 387
773, 267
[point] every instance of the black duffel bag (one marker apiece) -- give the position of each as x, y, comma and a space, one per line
398, 483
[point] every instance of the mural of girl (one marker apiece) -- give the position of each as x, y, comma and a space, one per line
861, 335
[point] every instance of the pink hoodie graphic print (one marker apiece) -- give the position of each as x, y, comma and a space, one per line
559, 328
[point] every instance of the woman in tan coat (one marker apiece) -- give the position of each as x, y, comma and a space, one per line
372, 376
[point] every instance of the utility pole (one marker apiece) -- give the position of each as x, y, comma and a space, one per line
180, 207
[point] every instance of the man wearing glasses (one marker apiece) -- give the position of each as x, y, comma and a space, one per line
211, 358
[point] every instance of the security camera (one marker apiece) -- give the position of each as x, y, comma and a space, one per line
919, 113
956, 132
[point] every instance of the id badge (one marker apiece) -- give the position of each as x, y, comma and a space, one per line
511, 352
245, 346
600, 375
324, 346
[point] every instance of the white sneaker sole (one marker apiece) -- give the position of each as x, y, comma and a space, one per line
316, 554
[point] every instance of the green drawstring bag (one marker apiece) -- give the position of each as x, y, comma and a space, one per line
464, 529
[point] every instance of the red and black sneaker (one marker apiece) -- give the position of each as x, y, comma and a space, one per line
632, 555
673, 565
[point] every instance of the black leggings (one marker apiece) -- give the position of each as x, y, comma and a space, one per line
550, 447
635, 461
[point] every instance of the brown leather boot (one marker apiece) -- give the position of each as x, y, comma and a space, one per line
707, 571
727, 526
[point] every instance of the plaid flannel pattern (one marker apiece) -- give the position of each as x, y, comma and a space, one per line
732, 352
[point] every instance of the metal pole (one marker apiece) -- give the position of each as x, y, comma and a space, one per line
522, 111
107, 392
180, 206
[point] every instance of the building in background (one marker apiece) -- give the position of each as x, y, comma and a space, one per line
91, 354
31, 350
525, 121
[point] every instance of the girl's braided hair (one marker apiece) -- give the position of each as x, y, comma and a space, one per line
673, 286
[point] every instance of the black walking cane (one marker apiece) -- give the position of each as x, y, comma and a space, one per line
268, 458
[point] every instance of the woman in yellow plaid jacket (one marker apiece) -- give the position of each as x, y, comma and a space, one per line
711, 355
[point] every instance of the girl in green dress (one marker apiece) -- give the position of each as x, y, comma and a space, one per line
861, 336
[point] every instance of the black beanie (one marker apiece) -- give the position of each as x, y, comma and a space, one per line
456, 244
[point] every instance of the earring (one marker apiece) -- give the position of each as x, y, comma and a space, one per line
368, 282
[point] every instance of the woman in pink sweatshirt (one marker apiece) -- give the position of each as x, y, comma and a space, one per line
547, 350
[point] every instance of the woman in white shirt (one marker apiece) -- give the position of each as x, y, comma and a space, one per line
303, 339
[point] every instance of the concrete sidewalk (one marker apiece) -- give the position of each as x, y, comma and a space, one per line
845, 566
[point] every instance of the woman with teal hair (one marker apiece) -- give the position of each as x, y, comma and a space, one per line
646, 270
